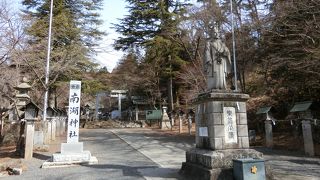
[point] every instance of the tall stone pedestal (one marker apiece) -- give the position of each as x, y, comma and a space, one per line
269, 135
29, 133
64, 125
58, 126
307, 138
53, 129
47, 131
202, 164
221, 135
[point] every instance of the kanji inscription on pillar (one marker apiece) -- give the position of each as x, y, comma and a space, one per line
230, 125
74, 112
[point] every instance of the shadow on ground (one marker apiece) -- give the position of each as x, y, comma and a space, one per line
41, 156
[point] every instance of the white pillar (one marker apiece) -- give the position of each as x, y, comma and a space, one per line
119, 104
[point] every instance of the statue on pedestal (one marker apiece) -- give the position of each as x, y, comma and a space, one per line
217, 62
221, 137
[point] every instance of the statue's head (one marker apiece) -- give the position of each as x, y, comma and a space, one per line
213, 31
216, 32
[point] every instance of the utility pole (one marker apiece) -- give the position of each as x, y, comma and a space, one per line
45, 106
170, 86
234, 48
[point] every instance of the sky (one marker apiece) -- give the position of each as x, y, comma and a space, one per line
112, 10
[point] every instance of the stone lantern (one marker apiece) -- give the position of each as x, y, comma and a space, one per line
269, 121
22, 99
22, 95
306, 113
25, 106
165, 121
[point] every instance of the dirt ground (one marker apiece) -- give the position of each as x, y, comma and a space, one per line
285, 141
9, 159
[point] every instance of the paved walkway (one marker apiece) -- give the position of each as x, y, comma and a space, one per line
169, 151
152, 155
292, 165
117, 160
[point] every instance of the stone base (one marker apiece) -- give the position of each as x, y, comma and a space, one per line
212, 165
51, 164
165, 124
85, 156
196, 172
71, 154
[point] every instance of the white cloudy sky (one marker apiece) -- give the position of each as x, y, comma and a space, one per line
112, 10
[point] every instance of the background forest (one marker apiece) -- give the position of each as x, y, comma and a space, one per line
277, 50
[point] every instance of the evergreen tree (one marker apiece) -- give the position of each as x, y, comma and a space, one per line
74, 36
79, 18
154, 26
147, 19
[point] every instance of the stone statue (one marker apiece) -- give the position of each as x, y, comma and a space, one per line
217, 62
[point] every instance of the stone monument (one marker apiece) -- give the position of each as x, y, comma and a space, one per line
21, 108
221, 121
72, 152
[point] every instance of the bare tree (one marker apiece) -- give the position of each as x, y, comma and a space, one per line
11, 40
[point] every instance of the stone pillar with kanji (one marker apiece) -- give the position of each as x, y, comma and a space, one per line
72, 152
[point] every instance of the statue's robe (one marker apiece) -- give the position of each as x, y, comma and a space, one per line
217, 64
